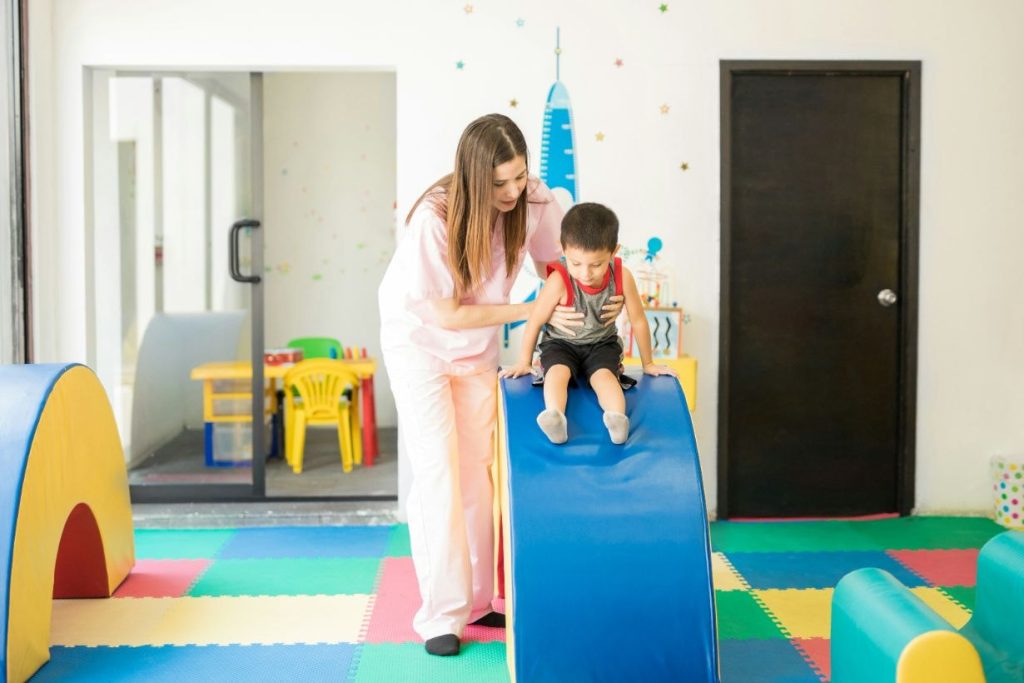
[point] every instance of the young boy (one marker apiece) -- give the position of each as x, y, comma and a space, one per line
590, 275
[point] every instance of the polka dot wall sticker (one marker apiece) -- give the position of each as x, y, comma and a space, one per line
317, 277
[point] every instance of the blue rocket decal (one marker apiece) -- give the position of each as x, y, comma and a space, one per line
558, 140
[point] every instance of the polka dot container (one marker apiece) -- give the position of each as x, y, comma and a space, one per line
1008, 491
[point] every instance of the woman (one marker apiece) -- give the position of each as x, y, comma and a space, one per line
442, 299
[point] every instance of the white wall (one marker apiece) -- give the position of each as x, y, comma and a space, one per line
329, 195
971, 402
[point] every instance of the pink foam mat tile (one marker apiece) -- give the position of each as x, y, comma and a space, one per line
398, 598
941, 567
815, 652
161, 578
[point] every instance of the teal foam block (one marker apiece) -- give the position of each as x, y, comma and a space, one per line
995, 628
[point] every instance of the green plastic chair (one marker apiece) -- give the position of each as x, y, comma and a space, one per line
317, 347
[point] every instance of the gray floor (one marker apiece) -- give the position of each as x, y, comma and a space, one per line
182, 462
218, 515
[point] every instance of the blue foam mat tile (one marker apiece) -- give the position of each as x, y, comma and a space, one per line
757, 661
813, 570
336, 541
206, 663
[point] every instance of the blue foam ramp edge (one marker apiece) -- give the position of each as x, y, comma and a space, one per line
24, 390
610, 555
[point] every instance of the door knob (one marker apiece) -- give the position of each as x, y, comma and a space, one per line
887, 297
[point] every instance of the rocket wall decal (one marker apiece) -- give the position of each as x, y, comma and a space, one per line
558, 140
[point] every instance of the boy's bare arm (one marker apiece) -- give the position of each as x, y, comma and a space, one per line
641, 330
550, 295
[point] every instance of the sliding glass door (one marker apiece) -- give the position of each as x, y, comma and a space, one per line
174, 265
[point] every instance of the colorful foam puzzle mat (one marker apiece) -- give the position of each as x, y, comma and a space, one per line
315, 617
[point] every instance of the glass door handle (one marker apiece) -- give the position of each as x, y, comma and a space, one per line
233, 266
887, 297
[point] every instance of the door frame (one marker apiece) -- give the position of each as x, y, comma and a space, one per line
910, 74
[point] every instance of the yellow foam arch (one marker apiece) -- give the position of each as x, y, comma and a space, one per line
74, 503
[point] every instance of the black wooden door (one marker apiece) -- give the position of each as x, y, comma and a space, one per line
819, 203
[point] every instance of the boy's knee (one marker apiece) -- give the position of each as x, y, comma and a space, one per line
558, 372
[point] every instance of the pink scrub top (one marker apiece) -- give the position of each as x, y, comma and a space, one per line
419, 273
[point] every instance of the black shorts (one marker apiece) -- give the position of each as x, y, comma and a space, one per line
583, 360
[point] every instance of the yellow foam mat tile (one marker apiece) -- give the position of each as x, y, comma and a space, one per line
107, 621
724, 576
242, 620
943, 605
805, 613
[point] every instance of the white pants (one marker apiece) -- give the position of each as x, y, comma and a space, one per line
447, 426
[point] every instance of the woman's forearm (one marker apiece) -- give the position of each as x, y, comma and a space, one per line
454, 316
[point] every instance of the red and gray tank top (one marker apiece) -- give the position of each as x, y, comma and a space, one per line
589, 301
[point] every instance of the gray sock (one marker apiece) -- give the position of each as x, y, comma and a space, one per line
618, 426
552, 423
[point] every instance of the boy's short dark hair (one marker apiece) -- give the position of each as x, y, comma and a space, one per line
591, 227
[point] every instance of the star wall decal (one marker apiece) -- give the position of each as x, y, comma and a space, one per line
460, 65
599, 137
513, 102
468, 9
684, 166
662, 8
520, 22
618, 62
664, 108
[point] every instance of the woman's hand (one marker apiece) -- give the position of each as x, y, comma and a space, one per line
517, 370
652, 369
611, 310
567, 319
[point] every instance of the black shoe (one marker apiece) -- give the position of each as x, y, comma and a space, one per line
492, 619
443, 646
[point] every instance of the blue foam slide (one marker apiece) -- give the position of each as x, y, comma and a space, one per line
610, 557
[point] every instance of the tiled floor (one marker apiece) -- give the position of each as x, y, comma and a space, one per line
336, 603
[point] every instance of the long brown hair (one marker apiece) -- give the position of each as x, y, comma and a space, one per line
487, 142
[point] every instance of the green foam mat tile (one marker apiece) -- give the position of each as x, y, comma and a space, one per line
180, 544
293, 576
777, 537
932, 533
962, 594
741, 618
398, 542
409, 663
